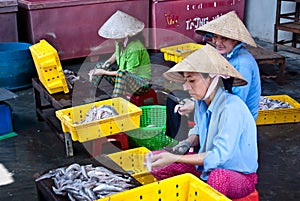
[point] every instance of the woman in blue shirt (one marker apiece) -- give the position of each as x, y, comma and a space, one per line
225, 128
229, 35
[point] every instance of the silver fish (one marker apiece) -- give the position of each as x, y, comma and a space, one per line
86, 182
101, 112
107, 187
270, 104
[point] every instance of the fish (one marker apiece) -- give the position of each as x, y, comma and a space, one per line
85, 182
266, 103
101, 112
107, 187
71, 78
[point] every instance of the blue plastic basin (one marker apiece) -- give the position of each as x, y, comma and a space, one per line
16, 65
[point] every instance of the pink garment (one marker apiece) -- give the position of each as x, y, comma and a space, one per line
173, 169
231, 183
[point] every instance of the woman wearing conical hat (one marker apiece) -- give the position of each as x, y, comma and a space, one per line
134, 73
226, 130
229, 35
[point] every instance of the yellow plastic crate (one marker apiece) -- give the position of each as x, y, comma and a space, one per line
185, 187
47, 64
132, 161
128, 118
280, 116
177, 53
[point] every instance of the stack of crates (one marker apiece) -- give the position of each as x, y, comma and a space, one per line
48, 67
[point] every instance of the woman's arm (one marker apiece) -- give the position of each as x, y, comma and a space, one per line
104, 72
111, 60
166, 158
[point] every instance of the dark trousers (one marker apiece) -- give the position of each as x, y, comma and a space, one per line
176, 125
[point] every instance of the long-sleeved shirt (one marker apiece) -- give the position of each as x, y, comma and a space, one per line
245, 64
227, 133
241, 59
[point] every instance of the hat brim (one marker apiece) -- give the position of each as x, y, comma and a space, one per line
205, 60
229, 26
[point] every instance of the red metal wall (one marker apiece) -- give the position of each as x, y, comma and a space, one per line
71, 26
185, 16
8, 21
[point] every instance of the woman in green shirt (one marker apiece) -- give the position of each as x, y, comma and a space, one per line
134, 72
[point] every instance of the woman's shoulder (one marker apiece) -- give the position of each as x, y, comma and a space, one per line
245, 54
135, 43
135, 46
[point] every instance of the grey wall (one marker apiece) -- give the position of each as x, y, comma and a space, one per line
260, 18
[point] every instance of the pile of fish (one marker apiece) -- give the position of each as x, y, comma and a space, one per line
71, 78
101, 112
270, 104
85, 182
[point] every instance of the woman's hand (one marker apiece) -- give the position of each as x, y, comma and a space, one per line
186, 108
163, 159
91, 73
99, 72
96, 72
106, 65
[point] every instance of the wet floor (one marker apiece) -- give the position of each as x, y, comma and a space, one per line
37, 148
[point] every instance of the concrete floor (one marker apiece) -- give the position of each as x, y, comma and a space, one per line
37, 148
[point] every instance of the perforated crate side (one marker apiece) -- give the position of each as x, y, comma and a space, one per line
128, 118
132, 161
177, 53
48, 67
282, 115
185, 187
153, 115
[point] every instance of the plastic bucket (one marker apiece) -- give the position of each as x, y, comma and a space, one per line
16, 65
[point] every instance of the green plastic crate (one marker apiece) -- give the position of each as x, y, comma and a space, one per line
151, 133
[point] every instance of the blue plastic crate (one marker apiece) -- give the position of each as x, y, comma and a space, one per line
5, 119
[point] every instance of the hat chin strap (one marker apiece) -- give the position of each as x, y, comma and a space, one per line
212, 86
125, 42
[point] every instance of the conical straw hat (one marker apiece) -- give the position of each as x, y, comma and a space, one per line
229, 26
120, 25
205, 60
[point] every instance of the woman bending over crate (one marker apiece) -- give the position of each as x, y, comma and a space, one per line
225, 128
134, 72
